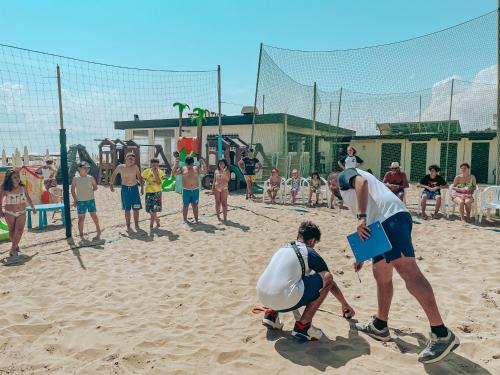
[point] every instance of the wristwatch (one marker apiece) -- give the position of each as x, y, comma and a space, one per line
361, 216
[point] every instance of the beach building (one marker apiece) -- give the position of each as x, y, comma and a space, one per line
275, 135
416, 145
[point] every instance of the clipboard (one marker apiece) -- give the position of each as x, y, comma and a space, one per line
376, 244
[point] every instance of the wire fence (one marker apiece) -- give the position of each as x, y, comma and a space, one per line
438, 88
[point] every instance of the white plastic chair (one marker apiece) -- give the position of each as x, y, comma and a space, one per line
490, 199
451, 204
323, 189
432, 202
281, 192
303, 186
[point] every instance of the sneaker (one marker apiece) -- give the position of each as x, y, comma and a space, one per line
271, 320
370, 330
306, 332
438, 347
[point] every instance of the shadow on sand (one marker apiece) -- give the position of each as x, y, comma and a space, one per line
19, 260
324, 353
452, 364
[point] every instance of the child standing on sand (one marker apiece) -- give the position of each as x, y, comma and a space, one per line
131, 179
221, 188
153, 177
274, 184
82, 190
295, 182
190, 185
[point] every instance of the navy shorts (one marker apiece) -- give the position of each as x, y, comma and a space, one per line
398, 230
312, 285
131, 199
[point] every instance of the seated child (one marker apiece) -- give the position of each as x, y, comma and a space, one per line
274, 184
334, 187
295, 185
314, 187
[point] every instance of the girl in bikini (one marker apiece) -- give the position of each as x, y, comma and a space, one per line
462, 189
220, 188
16, 197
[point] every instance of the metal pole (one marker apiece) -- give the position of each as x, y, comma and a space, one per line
314, 129
497, 182
330, 117
64, 159
263, 104
337, 130
256, 93
219, 140
449, 124
420, 112
285, 146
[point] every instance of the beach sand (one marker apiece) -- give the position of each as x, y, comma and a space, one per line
180, 301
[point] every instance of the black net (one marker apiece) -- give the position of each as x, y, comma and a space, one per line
439, 86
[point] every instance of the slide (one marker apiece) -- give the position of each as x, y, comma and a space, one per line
256, 188
4, 231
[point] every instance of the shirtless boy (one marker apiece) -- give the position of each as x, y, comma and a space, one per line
190, 185
131, 179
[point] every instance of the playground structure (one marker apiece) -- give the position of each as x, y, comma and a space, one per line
4, 231
111, 154
32, 180
233, 150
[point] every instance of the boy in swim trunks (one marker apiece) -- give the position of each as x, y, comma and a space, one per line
190, 185
432, 184
131, 179
250, 166
153, 177
82, 190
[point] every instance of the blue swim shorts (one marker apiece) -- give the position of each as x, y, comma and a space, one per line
190, 196
431, 194
312, 285
398, 229
82, 207
131, 199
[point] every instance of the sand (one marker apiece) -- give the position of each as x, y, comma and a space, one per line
179, 300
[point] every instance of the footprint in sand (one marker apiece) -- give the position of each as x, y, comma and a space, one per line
226, 357
184, 286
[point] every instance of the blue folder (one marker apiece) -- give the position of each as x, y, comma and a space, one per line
376, 244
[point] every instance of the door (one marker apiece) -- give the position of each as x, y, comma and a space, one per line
390, 152
448, 161
418, 161
480, 161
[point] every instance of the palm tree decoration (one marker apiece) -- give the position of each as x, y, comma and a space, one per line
198, 119
181, 107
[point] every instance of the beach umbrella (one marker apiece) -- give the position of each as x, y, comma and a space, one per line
4, 158
47, 154
16, 160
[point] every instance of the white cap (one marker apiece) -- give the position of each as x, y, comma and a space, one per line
394, 164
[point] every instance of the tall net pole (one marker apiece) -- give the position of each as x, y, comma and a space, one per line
313, 148
219, 99
337, 130
256, 93
64, 158
449, 124
497, 182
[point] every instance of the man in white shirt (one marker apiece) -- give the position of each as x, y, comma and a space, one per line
288, 283
372, 201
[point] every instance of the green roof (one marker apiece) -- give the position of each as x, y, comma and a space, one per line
429, 127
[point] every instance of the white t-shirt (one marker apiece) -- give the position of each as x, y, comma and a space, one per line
280, 286
351, 161
382, 203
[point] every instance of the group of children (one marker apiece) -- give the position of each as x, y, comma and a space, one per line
297, 184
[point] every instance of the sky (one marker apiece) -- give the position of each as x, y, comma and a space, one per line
199, 35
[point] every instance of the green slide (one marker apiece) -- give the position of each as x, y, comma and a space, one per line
4, 231
256, 188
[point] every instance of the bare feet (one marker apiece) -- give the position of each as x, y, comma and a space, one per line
157, 223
